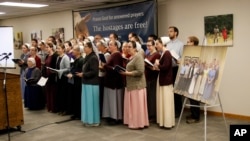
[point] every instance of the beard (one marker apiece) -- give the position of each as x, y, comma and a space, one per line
172, 37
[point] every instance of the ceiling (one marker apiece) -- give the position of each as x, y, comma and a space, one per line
54, 6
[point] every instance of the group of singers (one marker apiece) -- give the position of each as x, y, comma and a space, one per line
80, 84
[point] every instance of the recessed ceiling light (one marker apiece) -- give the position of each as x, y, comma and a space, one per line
31, 5
1, 13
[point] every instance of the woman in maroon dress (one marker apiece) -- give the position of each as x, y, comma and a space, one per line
151, 79
50, 88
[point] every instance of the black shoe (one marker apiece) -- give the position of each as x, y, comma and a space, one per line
74, 117
189, 116
192, 120
177, 115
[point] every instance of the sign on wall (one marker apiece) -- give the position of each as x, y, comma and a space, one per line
138, 18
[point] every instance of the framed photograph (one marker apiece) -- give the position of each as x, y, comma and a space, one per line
219, 30
200, 73
58, 33
36, 35
18, 40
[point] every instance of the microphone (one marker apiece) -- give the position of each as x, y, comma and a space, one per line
3, 54
6, 54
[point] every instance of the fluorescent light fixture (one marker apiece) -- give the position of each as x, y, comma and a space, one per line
1, 13
31, 5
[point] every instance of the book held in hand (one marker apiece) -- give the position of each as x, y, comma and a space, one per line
119, 68
29, 81
148, 62
59, 72
42, 81
16, 61
102, 58
174, 54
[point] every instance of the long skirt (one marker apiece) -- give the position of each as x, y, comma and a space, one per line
90, 104
22, 83
151, 98
135, 108
113, 103
51, 90
165, 105
34, 98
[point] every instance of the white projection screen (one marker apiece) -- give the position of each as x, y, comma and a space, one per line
6, 47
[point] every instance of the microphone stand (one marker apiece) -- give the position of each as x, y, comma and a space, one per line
6, 98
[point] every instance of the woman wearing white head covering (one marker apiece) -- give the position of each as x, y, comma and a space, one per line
164, 88
135, 96
165, 40
23, 65
33, 97
113, 86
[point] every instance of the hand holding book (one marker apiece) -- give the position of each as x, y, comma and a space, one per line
119, 69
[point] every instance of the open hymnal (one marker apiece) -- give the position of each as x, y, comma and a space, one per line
119, 68
174, 54
16, 61
28, 80
148, 62
59, 72
42, 81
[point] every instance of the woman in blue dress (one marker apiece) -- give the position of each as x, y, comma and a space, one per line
209, 86
90, 114
33, 96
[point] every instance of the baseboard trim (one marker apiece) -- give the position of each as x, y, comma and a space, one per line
229, 115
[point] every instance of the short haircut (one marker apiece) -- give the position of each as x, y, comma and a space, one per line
194, 39
175, 30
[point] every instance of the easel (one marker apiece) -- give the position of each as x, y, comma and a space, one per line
205, 106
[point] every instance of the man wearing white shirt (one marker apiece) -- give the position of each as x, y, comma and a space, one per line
177, 46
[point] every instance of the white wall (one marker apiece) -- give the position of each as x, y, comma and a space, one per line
45, 22
188, 16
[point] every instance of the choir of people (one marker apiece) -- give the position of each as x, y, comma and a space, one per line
83, 82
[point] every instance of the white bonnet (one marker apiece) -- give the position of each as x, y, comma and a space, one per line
28, 45
138, 46
118, 43
91, 38
104, 42
165, 40
31, 59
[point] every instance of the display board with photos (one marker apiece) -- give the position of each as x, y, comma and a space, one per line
200, 72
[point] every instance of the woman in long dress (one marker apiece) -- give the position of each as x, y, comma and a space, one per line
51, 87
164, 89
113, 86
209, 86
33, 97
151, 79
63, 65
193, 79
23, 65
204, 79
102, 47
90, 115
135, 99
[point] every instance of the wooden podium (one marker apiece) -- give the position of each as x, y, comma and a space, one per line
14, 99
